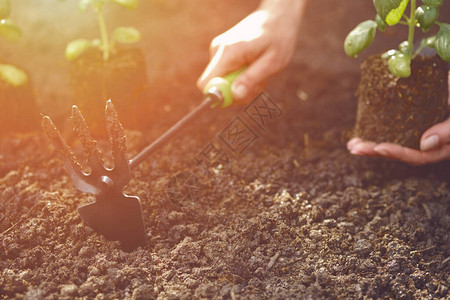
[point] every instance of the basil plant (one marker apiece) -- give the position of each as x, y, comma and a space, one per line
12, 33
392, 12
121, 34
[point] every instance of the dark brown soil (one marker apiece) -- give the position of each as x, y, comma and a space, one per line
399, 110
294, 216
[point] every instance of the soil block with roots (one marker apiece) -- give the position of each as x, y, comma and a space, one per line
122, 78
400, 110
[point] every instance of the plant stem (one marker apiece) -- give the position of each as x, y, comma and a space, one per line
421, 47
104, 33
412, 26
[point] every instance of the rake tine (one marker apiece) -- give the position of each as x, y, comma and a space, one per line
59, 144
70, 162
118, 141
115, 130
89, 144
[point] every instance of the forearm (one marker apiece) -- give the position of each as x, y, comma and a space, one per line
292, 9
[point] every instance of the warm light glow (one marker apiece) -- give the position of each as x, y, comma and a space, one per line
252, 29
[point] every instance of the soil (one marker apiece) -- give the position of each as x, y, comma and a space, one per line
399, 110
289, 214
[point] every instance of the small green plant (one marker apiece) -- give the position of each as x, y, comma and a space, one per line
122, 35
392, 12
11, 32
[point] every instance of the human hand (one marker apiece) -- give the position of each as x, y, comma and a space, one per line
434, 146
264, 42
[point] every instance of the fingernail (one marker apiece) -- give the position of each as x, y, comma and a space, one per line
352, 143
429, 143
380, 151
240, 91
356, 150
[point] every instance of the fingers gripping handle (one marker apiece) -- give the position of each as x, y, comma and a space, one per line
223, 85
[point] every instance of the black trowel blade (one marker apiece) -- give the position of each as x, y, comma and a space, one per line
117, 218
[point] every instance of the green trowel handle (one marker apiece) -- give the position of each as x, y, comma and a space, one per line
223, 86
218, 90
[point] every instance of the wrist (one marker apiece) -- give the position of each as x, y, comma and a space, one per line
284, 9
291, 7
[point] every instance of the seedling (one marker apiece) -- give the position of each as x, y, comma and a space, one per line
121, 34
11, 32
392, 12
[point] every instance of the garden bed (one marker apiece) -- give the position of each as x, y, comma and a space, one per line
294, 215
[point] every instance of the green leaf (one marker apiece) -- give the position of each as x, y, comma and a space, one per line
390, 10
400, 65
380, 23
83, 4
5, 8
389, 53
426, 16
126, 35
404, 47
96, 4
131, 4
383, 7
428, 42
13, 75
396, 14
442, 43
10, 31
360, 38
76, 48
434, 3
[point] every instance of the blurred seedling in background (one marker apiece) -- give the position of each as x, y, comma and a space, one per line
392, 12
9, 31
121, 34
